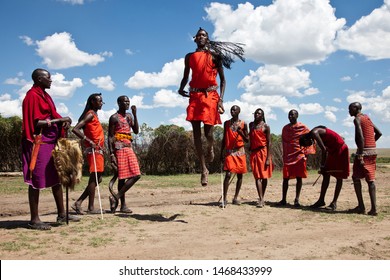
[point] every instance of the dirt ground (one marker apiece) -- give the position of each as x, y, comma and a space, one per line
187, 224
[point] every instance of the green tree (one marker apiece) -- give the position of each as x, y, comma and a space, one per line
10, 144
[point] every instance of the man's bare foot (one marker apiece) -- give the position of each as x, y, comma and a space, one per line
77, 208
204, 178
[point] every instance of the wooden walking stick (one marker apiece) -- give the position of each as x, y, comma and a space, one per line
327, 171
97, 182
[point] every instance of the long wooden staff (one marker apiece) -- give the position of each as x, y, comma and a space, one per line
327, 171
97, 182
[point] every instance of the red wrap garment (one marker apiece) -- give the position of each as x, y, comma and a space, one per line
294, 157
367, 170
38, 105
337, 161
94, 131
258, 157
126, 159
203, 105
235, 160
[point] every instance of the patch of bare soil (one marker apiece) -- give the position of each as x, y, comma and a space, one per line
178, 223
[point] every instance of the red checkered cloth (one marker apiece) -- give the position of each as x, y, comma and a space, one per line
367, 170
127, 163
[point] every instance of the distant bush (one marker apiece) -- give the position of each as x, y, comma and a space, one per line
383, 160
10, 144
168, 149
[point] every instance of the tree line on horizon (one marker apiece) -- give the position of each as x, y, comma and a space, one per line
165, 150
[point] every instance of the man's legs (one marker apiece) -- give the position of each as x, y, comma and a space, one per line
284, 192
35, 221
33, 199
337, 190
324, 187
114, 200
238, 188
261, 185
197, 134
88, 192
298, 188
360, 209
226, 182
372, 192
121, 184
209, 134
59, 199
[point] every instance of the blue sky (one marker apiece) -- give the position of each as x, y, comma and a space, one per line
315, 56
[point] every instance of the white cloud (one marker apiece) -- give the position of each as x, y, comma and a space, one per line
275, 101
168, 98
276, 80
5, 97
370, 35
331, 108
170, 75
27, 40
377, 105
249, 107
60, 88
348, 121
285, 32
59, 51
15, 81
74, 2
346, 79
62, 109
138, 100
310, 108
129, 52
106, 53
383, 142
330, 116
180, 120
103, 82
338, 100
9, 107
104, 116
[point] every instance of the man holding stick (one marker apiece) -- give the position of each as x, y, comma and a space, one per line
334, 161
41, 128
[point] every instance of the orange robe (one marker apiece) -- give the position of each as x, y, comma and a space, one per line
258, 146
235, 160
294, 157
94, 131
203, 105
367, 170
